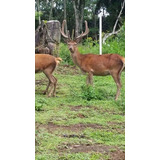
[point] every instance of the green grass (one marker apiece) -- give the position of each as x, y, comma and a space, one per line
70, 108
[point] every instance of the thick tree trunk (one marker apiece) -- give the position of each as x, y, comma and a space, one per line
48, 37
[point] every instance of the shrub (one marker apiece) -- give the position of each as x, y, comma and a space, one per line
89, 93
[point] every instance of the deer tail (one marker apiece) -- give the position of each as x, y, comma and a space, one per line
123, 60
58, 60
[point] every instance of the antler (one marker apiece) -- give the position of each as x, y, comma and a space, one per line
85, 33
62, 31
78, 38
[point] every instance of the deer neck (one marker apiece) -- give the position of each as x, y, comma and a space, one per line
77, 57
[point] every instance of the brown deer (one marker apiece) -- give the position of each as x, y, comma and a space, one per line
46, 63
98, 65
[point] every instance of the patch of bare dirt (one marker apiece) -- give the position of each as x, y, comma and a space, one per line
79, 107
117, 155
119, 127
80, 115
114, 152
111, 127
86, 148
112, 112
116, 123
76, 108
50, 127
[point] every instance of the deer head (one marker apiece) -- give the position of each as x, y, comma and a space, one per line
72, 44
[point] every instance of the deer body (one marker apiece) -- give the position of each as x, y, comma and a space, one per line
46, 63
98, 65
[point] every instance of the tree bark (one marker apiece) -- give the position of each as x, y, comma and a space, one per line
78, 6
47, 37
65, 15
38, 12
95, 18
82, 14
50, 14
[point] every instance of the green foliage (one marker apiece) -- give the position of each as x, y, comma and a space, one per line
115, 44
65, 54
91, 9
37, 14
89, 93
113, 7
39, 103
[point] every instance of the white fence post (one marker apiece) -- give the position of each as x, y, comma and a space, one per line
100, 32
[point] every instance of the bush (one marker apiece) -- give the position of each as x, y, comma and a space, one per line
89, 93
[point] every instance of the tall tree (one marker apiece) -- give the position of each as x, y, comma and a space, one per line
38, 10
50, 14
78, 6
91, 16
65, 14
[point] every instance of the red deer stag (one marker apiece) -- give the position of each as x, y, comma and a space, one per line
98, 65
46, 63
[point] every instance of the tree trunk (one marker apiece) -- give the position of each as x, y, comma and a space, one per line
38, 12
47, 38
82, 14
65, 16
95, 18
78, 6
50, 14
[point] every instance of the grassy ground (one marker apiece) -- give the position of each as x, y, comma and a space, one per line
80, 123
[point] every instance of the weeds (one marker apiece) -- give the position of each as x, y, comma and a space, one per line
39, 103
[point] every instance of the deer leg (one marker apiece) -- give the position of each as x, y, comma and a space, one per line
90, 78
53, 88
116, 78
47, 87
52, 81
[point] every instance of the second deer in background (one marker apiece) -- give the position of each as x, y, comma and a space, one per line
46, 63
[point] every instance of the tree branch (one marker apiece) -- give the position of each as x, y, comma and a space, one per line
115, 25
